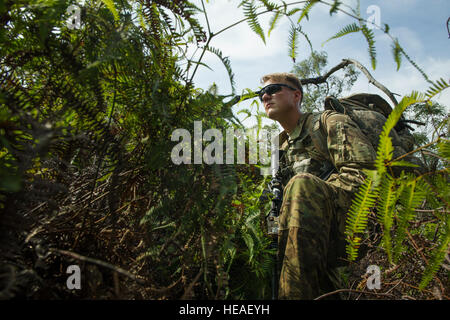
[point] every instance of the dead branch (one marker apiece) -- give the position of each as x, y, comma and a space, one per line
98, 262
355, 291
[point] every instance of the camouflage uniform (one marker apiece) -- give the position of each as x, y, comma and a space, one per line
312, 215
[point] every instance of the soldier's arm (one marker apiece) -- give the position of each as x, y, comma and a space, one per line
349, 149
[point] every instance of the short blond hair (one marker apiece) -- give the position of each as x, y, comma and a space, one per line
284, 77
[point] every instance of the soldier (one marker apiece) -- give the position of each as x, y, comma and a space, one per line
321, 168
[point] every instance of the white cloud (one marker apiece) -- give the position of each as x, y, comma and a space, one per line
250, 58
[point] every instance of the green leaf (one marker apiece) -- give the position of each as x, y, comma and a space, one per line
357, 216
111, 6
273, 21
351, 28
438, 256
396, 51
437, 87
444, 149
306, 9
334, 8
385, 211
385, 148
403, 164
368, 34
226, 62
293, 39
252, 19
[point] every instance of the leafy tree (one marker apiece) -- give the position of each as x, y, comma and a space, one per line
315, 94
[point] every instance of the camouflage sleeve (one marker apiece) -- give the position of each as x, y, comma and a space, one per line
349, 149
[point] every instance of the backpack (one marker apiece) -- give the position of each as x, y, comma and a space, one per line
370, 112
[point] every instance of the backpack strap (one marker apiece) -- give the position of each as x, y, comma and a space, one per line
319, 140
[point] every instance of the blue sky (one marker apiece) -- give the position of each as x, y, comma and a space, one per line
419, 25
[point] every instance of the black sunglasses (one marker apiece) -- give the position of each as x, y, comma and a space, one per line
272, 88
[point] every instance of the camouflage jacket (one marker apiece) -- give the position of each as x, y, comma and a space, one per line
325, 141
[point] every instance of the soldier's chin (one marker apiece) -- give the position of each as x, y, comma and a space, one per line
272, 115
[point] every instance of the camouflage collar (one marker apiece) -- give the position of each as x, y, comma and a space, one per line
285, 137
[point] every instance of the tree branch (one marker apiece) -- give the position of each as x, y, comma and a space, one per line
343, 64
373, 81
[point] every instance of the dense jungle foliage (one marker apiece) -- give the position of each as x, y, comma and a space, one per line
86, 176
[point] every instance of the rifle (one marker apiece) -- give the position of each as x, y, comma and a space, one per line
275, 188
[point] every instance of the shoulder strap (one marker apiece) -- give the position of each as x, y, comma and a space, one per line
319, 133
319, 139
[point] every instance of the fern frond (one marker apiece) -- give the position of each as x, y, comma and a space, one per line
368, 34
334, 8
293, 39
111, 6
306, 9
357, 216
226, 62
252, 18
436, 88
250, 244
269, 5
444, 149
293, 11
273, 21
438, 256
351, 28
413, 194
385, 211
396, 51
385, 148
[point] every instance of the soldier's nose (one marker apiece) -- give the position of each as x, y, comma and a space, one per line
266, 97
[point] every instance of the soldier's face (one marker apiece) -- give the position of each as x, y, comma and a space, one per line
280, 104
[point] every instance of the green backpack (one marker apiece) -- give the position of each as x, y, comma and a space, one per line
370, 112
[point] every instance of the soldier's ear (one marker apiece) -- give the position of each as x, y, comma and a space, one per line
298, 95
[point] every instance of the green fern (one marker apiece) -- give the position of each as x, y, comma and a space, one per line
273, 21
252, 19
385, 148
438, 257
396, 51
367, 194
293, 11
444, 149
293, 40
351, 28
385, 211
226, 62
412, 196
334, 8
368, 34
111, 6
269, 5
437, 87
357, 216
306, 9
